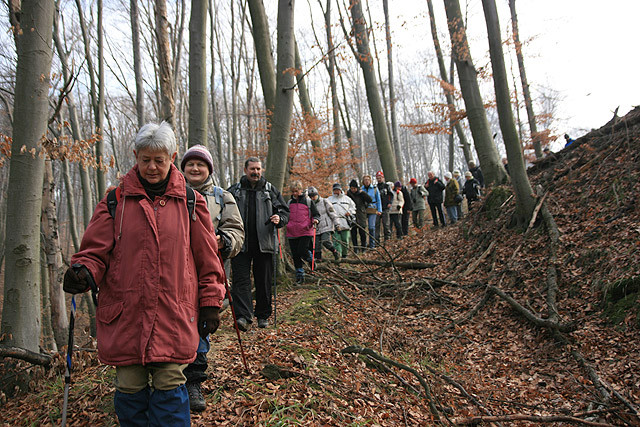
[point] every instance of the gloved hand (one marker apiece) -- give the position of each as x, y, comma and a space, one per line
76, 282
208, 320
398, 207
224, 245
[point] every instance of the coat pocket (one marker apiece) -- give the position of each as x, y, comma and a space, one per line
109, 313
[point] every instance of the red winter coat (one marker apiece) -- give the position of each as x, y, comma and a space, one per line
155, 267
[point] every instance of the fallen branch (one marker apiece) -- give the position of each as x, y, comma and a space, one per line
524, 417
400, 264
477, 262
24, 354
380, 358
457, 322
544, 323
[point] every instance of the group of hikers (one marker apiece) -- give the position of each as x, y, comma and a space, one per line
160, 253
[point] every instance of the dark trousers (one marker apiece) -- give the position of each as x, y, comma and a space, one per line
241, 286
405, 222
383, 223
360, 230
300, 249
324, 239
396, 221
437, 208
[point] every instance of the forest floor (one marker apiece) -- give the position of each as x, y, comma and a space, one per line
451, 347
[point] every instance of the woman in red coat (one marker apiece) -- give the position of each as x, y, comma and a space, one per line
160, 282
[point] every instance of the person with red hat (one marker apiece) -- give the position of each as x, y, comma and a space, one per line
418, 194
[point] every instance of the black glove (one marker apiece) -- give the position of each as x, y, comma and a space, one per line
225, 244
399, 207
75, 282
208, 320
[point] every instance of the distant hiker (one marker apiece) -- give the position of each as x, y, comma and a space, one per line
374, 209
458, 178
546, 152
471, 189
345, 209
418, 193
160, 281
362, 201
386, 197
406, 210
477, 173
326, 224
262, 208
569, 140
197, 166
396, 209
303, 217
435, 188
505, 163
452, 197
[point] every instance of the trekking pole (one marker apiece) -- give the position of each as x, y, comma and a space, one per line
276, 241
313, 255
72, 319
233, 314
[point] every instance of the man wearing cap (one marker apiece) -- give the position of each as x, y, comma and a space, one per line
345, 209
263, 209
471, 189
417, 200
197, 166
477, 173
362, 201
325, 226
435, 188
386, 198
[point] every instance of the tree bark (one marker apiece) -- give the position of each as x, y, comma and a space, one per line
525, 200
198, 74
392, 94
482, 137
305, 100
100, 157
53, 253
533, 127
167, 103
365, 60
137, 61
281, 122
21, 308
262, 42
215, 118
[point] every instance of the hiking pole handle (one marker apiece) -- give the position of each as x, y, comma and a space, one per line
92, 283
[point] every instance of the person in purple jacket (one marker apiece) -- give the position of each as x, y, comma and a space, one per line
303, 217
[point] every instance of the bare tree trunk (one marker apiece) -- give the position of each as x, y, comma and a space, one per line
53, 253
137, 62
535, 136
392, 94
176, 47
49, 342
363, 55
222, 178
21, 308
525, 201
71, 205
305, 100
482, 138
198, 104
283, 110
168, 105
100, 157
262, 42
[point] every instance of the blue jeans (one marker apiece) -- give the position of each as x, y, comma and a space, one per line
371, 224
452, 213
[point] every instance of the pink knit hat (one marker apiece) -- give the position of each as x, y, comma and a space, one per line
199, 152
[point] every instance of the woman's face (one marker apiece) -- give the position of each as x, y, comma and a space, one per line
154, 165
295, 192
196, 171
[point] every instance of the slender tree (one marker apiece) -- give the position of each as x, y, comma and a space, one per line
167, 105
525, 201
365, 60
262, 43
137, 62
533, 127
283, 110
215, 117
198, 102
482, 138
21, 308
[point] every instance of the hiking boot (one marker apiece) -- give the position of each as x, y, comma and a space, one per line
196, 399
336, 255
243, 324
263, 323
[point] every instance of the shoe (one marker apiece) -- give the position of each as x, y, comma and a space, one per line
243, 324
263, 323
344, 255
336, 256
225, 305
196, 399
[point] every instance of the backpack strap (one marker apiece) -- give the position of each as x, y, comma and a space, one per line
191, 203
112, 201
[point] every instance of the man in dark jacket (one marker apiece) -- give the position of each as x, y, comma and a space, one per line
435, 188
476, 172
406, 210
471, 189
386, 198
362, 200
262, 208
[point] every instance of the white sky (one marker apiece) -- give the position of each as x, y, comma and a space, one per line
583, 49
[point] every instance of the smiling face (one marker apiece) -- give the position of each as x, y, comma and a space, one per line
154, 165
196, 171
366, 181
253, 171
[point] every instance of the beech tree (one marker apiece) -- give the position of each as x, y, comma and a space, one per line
167, 105
198, 102
525, 201
482, 138
21, 308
